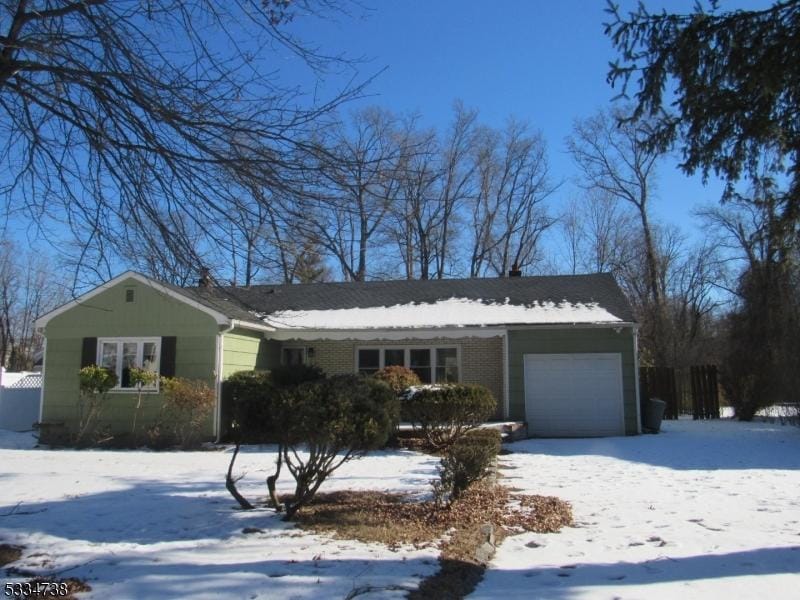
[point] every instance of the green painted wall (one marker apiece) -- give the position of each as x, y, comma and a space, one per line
108, 315
564, 341
245, 350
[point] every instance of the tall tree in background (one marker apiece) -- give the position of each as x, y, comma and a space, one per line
722, 87
456, 173
613, 158
767, 312
436, 180
599, 233
508, 213
28, 288
129, 114
356, 182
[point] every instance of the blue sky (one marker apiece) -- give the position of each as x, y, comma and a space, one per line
541, 61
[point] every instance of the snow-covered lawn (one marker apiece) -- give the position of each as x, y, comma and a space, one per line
704, 510
161, 525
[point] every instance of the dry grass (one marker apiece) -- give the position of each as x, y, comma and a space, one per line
9, 554
51, 588
393, 520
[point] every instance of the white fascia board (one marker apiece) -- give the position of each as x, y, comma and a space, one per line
250, 325
384, 334
220, 318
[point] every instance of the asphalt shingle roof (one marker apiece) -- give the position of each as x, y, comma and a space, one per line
244, 302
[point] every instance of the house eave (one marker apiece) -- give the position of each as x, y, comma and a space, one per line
399, 333
375, 334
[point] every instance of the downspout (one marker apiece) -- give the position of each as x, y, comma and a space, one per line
41, 390
506, 390
636, 378
218, 380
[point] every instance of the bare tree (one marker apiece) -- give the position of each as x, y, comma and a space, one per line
28, 288
508, 214
600, 234
415, 219
356, 185
456, 180
436, 178
132, 115
613, 156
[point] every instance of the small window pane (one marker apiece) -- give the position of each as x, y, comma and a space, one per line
446, 365
293, 356
368, 361
128, 361
150, 360
393, 357
108, 356
149, 357
421, 364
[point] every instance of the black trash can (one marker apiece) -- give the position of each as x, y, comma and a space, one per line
653, 414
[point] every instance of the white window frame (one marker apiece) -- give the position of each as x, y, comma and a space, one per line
140, 342
407, 356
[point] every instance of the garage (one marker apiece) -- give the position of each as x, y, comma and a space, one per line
573, 395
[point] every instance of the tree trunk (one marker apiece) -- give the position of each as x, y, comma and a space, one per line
230, 482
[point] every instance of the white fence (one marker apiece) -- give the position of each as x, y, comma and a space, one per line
19, 400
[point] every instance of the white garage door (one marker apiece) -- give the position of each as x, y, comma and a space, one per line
573, 395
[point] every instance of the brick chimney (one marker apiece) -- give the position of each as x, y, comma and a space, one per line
205, 278
515, 271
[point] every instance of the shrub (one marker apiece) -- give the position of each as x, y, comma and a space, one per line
94, 383
289, 375
254, 396
444, 413
466, 461
335, 420
398, 378
251, 393
140, 378
188, 404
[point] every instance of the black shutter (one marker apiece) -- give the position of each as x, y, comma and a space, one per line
89, 351
167, 366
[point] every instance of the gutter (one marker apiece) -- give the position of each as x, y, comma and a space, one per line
220, 353
249, 325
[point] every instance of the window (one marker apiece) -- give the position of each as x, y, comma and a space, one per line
369, 361
294, 356
420, 363
123, 354
394, 357
432, 365
447, 365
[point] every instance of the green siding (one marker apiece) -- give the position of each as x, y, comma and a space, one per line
151, 314
566, 341
244, 350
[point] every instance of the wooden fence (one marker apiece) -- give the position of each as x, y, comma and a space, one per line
705, 392
688, 391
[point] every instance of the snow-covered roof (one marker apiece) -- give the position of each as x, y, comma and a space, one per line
560, 299
452, 312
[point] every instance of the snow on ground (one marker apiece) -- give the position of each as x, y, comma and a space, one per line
453, 312
139, 524
703, 510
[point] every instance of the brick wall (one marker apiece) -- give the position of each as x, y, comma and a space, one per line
481, 358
